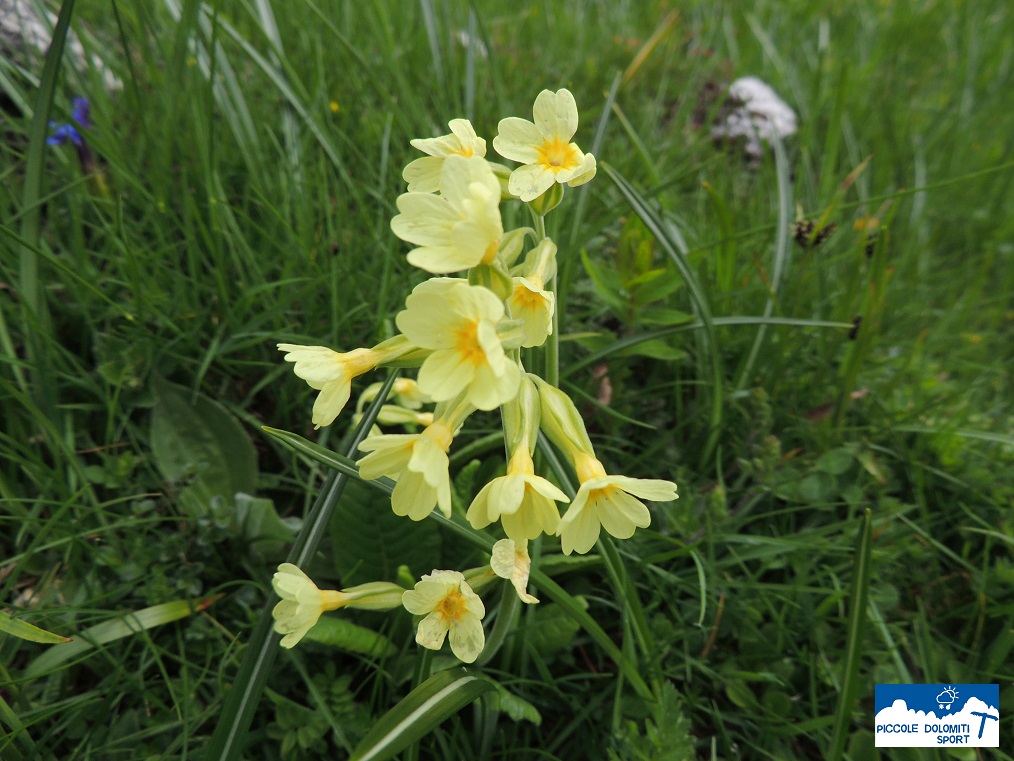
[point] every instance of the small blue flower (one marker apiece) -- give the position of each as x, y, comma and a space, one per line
81, 112
62, 133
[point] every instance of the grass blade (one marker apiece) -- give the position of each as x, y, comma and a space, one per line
36, 311
675, 248
628, 341
115, 629
854, 647
25, 630
241, 701
781, 253
438, 698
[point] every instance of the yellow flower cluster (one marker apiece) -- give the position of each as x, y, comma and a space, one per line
465, 330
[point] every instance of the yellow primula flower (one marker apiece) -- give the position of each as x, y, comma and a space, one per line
331, 373
459, 229
605, 501
303, 603
457, 322
450, 608
544, 147
530, 302
418, 462
511, 561
522, 501
423, 175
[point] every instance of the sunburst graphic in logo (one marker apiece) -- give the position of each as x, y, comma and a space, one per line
947, 697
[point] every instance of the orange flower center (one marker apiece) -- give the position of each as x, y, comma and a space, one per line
468, 345
453, 607
527, 300
557, 155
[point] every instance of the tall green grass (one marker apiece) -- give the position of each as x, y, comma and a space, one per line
251, 163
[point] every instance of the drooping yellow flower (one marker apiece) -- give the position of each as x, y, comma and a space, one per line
450, 608
457, 322
418, 462
511, 561
423, 175
458, 229
331, 373
544, 147
303, 603
522, 501
605, 501
530, 302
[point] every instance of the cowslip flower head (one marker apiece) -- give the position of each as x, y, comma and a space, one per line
511, 561
418, 462
608, 502
303, 603
458, 229
530, 302
544, 147
423, 175
522, 501
452, 610
457, 322
331, 373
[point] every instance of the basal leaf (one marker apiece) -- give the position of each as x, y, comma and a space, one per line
201, 447
370, 541
256, 521
340, 633
656, 348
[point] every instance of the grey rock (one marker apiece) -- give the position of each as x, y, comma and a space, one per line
26, 31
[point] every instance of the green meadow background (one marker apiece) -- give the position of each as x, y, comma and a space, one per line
845, 495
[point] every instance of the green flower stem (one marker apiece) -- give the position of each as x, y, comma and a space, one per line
509, 603
552, 356
241, 700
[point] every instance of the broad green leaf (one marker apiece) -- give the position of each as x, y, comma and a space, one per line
25, 630
607, 285
517, 708
835, 461
337, 632
657, 315
370, 541
200, 445
656, 349
552, 628
256, 521
114, 629
643, 278
438, 698
657, 288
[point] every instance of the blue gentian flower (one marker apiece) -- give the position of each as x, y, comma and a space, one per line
81, 112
